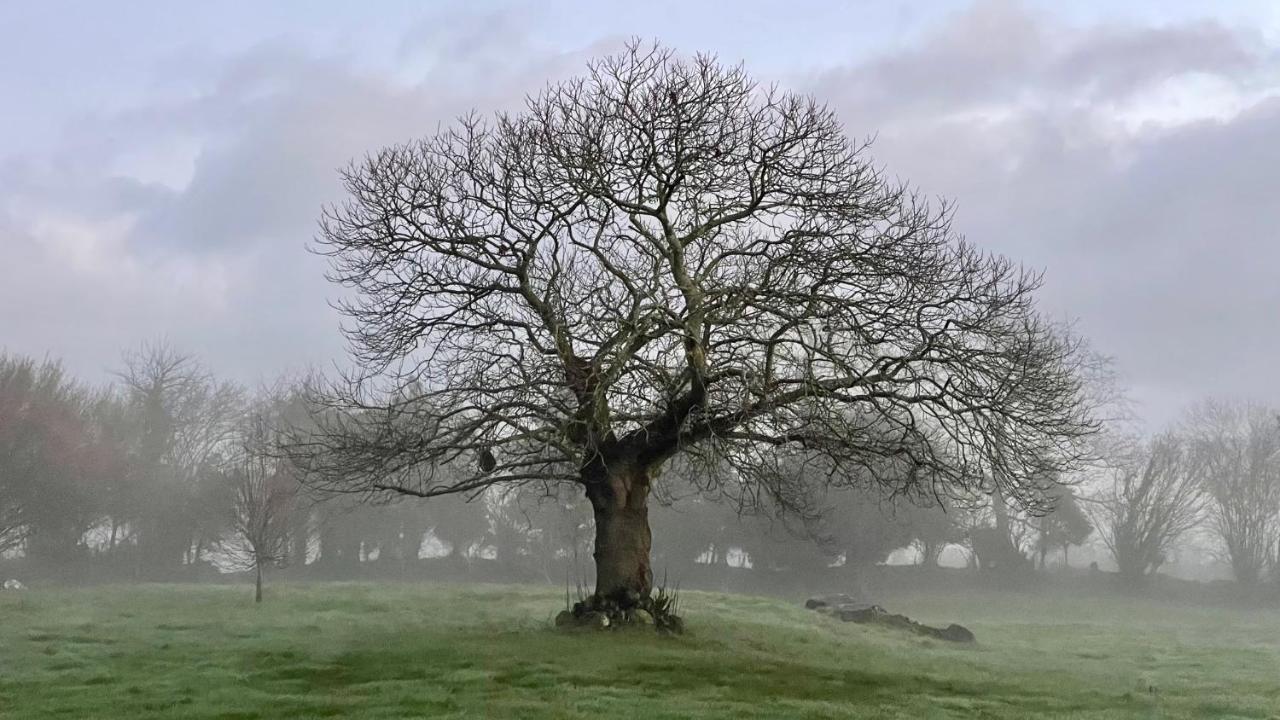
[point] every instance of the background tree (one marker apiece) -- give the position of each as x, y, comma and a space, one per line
560, 531
662, 258
1237, 448
868, 527
186, 417
459, 524
56, 458
691, 528
1063, 526
1152, 500
511, 529
934, 527
1000, 536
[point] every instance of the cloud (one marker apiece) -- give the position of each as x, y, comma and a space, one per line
1134, 163
207, 247
1158, 237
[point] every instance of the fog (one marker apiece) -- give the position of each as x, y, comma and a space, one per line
568, 318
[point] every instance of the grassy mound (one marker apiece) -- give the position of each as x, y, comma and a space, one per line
397, 651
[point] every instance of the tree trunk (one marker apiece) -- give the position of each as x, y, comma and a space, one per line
257, 583
619, 496
929, 553
1002, 514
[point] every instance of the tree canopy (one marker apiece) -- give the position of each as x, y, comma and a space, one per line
662, 257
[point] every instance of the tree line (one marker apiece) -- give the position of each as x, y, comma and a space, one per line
169, 473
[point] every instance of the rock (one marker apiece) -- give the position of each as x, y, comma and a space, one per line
642, 617
957, 633
674, 624
820, 601
595, 620
565, 618
860, 612
14, 585
850, 610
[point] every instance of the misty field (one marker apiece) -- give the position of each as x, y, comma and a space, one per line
398, 651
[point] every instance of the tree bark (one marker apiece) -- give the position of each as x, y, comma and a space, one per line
619, 495
257, 583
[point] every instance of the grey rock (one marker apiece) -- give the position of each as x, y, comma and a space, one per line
673, 624
957, 633
849, 610
860, 612
820, 601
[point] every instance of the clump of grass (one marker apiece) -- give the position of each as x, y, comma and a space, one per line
665, 601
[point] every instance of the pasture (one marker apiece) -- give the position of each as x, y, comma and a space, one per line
473, 651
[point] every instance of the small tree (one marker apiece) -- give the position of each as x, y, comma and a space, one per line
1152, 500
660, 259
263, 491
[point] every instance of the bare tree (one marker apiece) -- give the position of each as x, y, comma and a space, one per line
185, 417
263, 490
1153, 499
660, 258
1238, 462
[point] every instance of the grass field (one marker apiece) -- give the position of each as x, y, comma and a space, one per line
400, 651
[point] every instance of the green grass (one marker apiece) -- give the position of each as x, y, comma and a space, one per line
401, 651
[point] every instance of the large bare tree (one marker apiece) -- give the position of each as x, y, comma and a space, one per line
1238, 452
1153, 499
662, 257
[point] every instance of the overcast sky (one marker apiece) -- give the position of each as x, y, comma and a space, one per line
162, 164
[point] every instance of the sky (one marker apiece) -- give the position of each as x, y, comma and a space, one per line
163, 165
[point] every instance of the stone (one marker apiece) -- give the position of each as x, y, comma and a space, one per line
595, 620
859, 612
14, 585
641, 617
850, 610
957, 633
565, 618
672, 624
830, 600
